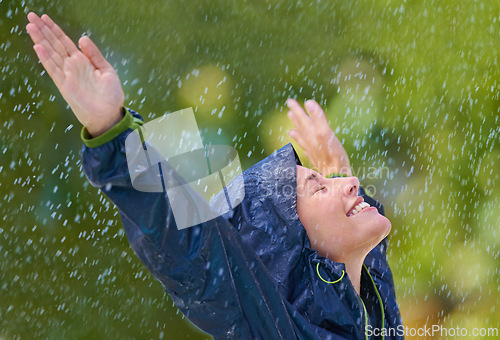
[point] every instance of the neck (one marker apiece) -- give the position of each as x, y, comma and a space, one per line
353, 268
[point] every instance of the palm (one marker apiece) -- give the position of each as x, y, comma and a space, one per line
86, 80
91, 93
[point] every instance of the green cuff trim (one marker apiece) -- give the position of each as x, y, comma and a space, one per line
128, 122
335, 174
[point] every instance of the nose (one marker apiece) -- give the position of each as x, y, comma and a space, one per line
350, 186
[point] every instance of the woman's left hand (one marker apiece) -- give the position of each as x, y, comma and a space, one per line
314, 135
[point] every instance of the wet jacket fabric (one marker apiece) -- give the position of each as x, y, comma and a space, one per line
250, 273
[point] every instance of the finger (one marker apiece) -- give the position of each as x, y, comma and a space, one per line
65, 41
39, 39
48, 63
295, 135
41, 34
316, 113
292, 117
34, 28
32, 16
93, 53
298, 116
34, 33
301, 128
53, 39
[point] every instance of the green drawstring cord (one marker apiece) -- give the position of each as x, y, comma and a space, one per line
366, 317
364, 307
317, 271
379, 300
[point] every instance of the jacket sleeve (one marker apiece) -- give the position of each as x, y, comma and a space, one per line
204, 268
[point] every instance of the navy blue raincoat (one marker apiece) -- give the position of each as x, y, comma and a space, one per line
250, 273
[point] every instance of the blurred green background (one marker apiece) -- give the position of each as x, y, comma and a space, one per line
411, 87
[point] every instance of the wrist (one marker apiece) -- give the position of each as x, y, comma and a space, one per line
101, 127
129, 121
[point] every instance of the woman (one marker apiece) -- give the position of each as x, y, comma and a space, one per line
301, 257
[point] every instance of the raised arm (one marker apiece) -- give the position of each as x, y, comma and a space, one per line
209, 272
178, 259
85, 79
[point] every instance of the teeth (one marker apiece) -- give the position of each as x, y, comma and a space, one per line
358, 208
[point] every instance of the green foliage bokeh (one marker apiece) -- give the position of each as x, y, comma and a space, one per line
411, 88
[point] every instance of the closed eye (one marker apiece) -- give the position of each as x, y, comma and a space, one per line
323, 187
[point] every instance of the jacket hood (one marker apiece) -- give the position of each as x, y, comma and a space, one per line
267, 217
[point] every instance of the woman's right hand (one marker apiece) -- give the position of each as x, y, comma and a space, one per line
314, 135
84, 77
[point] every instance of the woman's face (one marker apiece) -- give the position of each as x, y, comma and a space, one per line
325, 206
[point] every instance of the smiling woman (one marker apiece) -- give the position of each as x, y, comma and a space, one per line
291, 261
339, 224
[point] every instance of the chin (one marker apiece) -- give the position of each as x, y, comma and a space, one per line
379, 231
385, 226
381, 227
